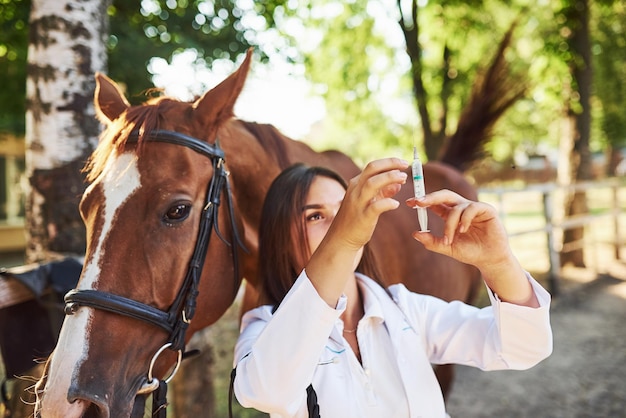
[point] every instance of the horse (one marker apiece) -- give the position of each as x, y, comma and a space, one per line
159, 171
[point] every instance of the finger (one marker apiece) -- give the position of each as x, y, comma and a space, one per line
379, 185
379, 206
392, 189
432, 243
452, 221
440, 197
384, 164
440, 210
383, 201
467, 217
376, 176
387, 184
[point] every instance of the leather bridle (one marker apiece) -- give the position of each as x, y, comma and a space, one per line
177, 318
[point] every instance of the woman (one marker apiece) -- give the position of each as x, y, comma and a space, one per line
367, 351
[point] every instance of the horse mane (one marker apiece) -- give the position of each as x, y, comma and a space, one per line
271, 139
143, 119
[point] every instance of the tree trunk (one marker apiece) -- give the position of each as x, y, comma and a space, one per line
580, 68
67, 46
409, 24
614, 157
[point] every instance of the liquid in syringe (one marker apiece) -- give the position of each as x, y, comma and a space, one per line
419, 189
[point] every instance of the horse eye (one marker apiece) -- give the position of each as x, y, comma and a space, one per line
177, 213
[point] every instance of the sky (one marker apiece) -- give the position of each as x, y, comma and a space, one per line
271, 94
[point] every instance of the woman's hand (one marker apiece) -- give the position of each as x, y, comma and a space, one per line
369, 195
473, 234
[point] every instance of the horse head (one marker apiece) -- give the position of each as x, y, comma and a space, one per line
157, 180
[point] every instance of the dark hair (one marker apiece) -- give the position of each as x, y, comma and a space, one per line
283, 244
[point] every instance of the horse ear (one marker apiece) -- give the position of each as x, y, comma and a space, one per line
109, 100
217, 104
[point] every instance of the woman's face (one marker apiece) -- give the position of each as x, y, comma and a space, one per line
321, 206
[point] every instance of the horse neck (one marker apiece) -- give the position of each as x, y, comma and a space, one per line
255, 155
261, 149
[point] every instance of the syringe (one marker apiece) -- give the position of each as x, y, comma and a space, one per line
419, 189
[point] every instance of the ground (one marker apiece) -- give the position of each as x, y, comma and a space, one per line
584, 376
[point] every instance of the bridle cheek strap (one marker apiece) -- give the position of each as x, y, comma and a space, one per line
183, 309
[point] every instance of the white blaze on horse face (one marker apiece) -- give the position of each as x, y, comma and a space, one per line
120, 180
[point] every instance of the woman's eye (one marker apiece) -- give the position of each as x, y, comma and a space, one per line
177, 213
314, 217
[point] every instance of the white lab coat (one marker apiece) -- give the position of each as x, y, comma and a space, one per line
277, 356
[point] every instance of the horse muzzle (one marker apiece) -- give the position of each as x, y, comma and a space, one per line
82, 404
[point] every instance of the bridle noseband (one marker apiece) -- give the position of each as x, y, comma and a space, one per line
177, 318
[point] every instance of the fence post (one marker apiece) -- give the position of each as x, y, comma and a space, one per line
616, 211
555, 263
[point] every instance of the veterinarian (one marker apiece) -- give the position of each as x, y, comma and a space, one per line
329, 340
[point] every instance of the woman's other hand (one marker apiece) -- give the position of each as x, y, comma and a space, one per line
369, 195
473, 234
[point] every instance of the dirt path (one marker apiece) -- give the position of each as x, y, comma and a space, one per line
584, 377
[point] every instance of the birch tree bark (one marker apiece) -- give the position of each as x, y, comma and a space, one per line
67, 46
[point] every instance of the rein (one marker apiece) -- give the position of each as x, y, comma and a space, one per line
177, 318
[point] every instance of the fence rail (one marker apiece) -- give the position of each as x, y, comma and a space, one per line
546, 221
552, 223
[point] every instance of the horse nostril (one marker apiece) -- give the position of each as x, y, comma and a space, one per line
96, 411
91, 405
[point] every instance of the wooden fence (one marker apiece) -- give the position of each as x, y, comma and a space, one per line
537, 205
535, 211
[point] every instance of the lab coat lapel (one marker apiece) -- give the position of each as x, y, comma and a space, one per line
420, 384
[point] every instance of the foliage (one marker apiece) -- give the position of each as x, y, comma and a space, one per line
349, 64
539, 55
532, 125
610, 74
356, 57
13, 47
457, 41
139, 31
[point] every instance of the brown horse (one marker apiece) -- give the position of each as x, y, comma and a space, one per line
143, 211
